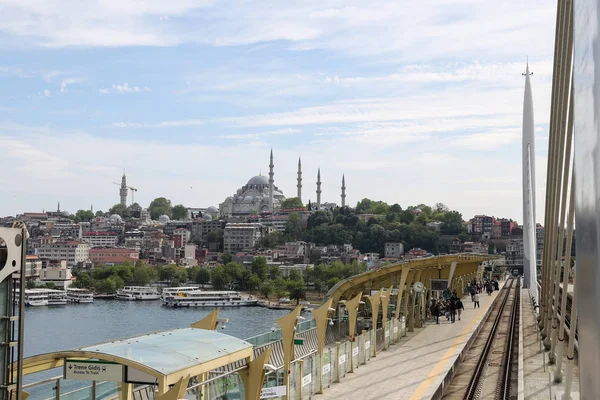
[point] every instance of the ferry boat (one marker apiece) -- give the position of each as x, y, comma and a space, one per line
200, 298
173, 291
34, 297
75, 295
137, 293
56, 297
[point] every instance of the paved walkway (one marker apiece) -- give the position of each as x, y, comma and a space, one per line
414, 367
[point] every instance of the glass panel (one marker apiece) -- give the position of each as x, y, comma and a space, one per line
354, 352
379, 339
295, 381
307, 378
174, 350
368, 345
333, 360
315, 366
326, 368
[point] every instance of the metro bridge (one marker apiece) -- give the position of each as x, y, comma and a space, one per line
373, 337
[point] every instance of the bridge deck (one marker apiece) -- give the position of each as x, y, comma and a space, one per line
415, 367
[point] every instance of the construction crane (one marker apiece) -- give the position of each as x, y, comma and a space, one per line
130, 188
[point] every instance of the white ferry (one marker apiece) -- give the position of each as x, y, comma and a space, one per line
56, 297
138, 293
200, 298
34, 297
173, 291
79, 296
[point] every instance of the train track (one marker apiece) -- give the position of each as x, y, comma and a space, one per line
489, 368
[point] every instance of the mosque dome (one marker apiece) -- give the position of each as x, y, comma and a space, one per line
115, 218
212, 209
258, 180
207, 217
163, 219
248, 199
66, 214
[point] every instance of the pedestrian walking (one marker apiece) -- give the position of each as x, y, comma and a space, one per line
459, 308
472, 292
476, 300
452, 307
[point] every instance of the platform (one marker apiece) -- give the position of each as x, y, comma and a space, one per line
415, 367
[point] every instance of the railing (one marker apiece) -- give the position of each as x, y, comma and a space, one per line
311, 372
307, 374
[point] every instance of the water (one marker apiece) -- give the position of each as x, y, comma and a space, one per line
49, 329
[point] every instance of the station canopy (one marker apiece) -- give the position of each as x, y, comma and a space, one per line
167, 355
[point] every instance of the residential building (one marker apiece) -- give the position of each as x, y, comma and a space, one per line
33, 266
483, 224
497, 230
180, 237
100, 239
514, 254
134, 239
113, 255
73, 252
242, 236
57, 273
286, 269
416, 253
394, 249
456, 246
507, 226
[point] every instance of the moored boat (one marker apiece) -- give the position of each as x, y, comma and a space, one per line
200, 298
75, 295
137, 293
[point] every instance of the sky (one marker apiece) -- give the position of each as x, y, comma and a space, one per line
413, 102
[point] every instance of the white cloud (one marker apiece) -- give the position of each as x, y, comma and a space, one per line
47, 93
124, 88
407, 30
66, 82
423, 172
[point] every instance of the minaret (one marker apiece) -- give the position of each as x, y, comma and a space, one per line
123, 190
343, 191
529, 231
299, 186
319, 189
271, 173
58, 207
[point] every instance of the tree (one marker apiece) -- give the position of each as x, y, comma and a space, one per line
318, 284
452, 223
180, 212
84, 215
296, 289
259, 267
266, 289
273, 240
99, 213
292, 202
294, 275
274, 272
203, 276
226, 257
293, 226
119, 209
219, 278
253, 282
160, 206
134, 210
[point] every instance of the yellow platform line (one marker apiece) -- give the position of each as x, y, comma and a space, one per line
439, 367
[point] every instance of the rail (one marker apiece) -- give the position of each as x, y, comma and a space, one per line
477, 378
509, 353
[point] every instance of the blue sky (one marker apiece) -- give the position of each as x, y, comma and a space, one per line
414, 103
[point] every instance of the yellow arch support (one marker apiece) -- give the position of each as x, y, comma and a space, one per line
209, 322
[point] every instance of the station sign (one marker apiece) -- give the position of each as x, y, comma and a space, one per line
271, 392
87, 370
439, 284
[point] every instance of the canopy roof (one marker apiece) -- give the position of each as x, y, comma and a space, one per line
166, 355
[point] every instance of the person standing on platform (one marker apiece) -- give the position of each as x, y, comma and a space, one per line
459, 308
472, 292
476, 300
452, 308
